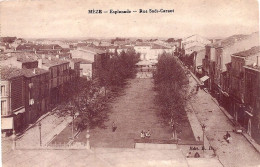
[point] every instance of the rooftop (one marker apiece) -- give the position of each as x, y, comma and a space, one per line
253, 67
83, 61
229, 40
50, 61
24, 57
33, 72
12, 72
94, 50
142, 44
254, 50
157, 46
124, 47
8, 73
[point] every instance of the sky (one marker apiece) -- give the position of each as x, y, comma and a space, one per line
70, 18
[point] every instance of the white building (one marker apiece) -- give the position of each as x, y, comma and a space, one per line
194, 40
151, 51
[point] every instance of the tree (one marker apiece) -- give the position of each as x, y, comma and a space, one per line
171, 86
84, 98
120, 67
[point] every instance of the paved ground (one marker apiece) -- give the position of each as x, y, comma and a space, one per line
132, 112
239, 152
103, 157
50, 126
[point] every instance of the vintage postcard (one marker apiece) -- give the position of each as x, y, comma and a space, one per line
141, 83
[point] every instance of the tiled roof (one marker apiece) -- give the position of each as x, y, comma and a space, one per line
157, 46
142, 44
124, 47
229, 40
50, 47
10, 72
33, 72
112, 47
24, 56
94, 50
253, 67
53, 62
83, 61
27, 46
254, 50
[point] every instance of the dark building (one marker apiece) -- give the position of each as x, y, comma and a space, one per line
12, 99
252, 101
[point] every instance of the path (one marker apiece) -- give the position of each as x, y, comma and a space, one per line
239, 153
132, 112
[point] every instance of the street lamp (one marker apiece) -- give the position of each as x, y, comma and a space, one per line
40, 130
88, 136
203, 129
13, 137
72, 129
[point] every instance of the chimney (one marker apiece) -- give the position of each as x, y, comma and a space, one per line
40, 63
34, 71
53, 47
49, 58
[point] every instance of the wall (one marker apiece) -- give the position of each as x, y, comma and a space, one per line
17, 93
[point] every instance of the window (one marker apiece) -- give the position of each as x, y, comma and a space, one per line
3, 107
2, 90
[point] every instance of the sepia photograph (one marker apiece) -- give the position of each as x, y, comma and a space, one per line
130, 83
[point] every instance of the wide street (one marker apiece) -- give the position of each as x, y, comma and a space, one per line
132, 112
116, 148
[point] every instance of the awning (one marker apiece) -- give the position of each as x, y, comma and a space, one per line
20, 111
225, 93
203, 79
250, 114
7, 123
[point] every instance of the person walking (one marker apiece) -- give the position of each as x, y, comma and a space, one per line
114, 127
142, 134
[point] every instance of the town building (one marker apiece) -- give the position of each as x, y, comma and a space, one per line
224, 49
196, 58
35, 88
151, 51
59, 75
208, 66
252, 100
12, 99
237, 86
98, 57
194, 40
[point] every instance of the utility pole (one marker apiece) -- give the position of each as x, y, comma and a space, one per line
72, 127
203, 129
40, 131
